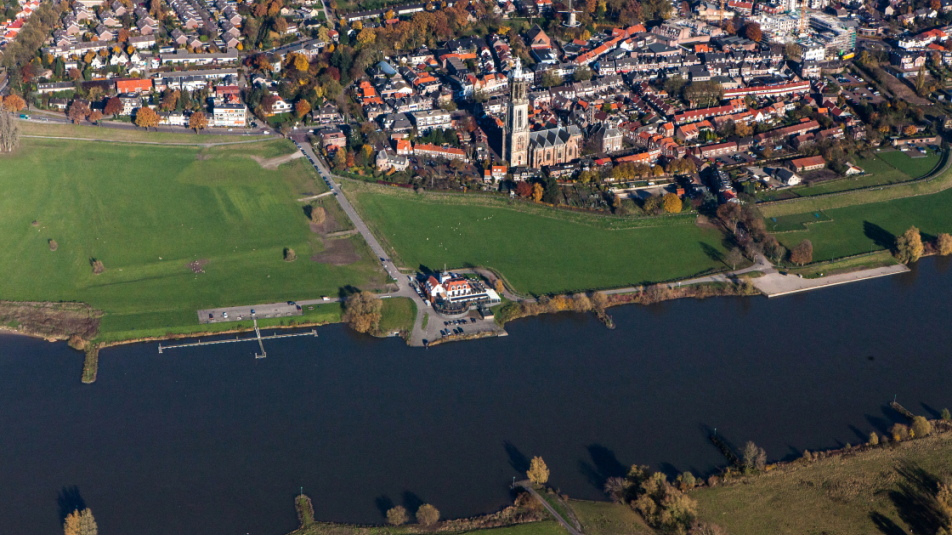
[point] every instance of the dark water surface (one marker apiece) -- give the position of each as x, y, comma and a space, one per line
211, 441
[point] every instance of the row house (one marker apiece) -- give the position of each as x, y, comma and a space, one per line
777, 90
691, 116
719, 149
426, 150
411, 103
795, 130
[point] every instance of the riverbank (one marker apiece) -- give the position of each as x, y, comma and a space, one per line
852, 490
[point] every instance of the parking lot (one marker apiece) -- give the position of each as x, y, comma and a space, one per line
271, 310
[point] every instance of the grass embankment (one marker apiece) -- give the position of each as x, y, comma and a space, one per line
543, 527
537, 249
846, 265
941, 182
397, 315
606, 518
147, 213
28, 128
873, 491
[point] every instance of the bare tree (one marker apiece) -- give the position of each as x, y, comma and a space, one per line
754, 457
734, 257
9, 132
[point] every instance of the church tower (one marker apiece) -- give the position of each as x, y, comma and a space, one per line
518, 121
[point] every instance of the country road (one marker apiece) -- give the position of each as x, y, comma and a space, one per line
417, 335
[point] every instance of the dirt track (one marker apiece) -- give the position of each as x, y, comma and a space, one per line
274, 163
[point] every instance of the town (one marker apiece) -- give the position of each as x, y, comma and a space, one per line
601, 106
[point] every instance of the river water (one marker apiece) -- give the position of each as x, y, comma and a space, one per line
211, 441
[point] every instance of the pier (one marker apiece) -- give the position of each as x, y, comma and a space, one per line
258, 338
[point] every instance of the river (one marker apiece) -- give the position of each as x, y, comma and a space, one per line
212, 441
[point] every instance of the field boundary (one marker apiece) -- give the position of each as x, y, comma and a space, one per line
603, 221
160, 143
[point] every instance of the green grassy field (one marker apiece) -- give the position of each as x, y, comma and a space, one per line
795, 221
913, 167
877, 491
862, 228
606, 518
146, 212
538, 253
398, 314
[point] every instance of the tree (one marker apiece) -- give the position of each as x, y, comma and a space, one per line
672, 203
538, 472
754, 457
944, 244
366, 37
873, 439
551, 79
427, 515
198, 121
946, 415
734, 257
80, 523
397, 516
752, 31
78, 111
537, 192
920, 83
9, 132
523, 189
729, 213
14, 103
921, 427
302, 108
169, 100
909, 246
113, 106
582, 73
362, 312
340, 159
803, 253
146, 118
95, 116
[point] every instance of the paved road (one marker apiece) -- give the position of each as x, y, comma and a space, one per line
418, 337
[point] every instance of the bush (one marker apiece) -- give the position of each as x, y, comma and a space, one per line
944, 244
97, 266
909, 246
318, 214
427, 515
362, 312
397, 516
53, 245
921, 427
899, 432
289, 255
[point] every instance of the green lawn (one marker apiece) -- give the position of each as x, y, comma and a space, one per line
791, 222
146, 212
877, 491
398, 314
862, 228
538, 252
914, 167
